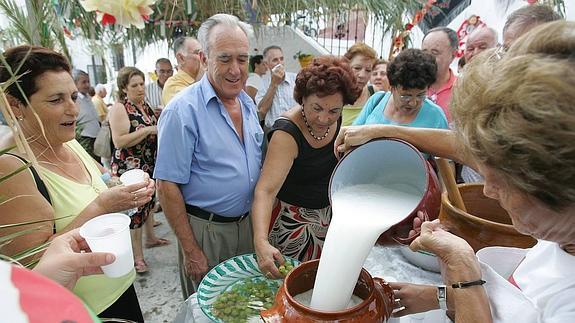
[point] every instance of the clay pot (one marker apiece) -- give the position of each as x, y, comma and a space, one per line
391, 162
377, 298
484, 224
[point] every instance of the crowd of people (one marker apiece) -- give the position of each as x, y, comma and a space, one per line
240, 163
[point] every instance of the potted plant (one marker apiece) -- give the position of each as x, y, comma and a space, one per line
303, 58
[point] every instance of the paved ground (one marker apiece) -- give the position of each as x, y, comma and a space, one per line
159, 289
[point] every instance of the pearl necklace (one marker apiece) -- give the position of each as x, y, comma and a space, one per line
309, 128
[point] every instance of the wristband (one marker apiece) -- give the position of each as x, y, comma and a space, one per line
478, 282
442, 297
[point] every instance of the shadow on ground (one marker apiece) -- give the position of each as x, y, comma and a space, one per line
159, 290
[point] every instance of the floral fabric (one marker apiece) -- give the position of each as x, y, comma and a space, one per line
142, 155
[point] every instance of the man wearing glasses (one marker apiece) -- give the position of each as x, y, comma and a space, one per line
154, 89
187, 50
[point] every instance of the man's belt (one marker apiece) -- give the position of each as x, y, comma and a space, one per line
209, 216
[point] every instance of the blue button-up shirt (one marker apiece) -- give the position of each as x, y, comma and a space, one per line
200, 149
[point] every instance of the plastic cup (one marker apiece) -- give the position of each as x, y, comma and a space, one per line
133, 176
111, 233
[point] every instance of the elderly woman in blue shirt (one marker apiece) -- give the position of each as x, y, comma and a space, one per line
410, 74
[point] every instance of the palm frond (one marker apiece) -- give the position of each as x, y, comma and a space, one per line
6, 239
18, 19
5, 150
17, 171
30, 253
5, 226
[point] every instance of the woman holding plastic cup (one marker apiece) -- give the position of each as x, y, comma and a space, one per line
134, 133
63, 188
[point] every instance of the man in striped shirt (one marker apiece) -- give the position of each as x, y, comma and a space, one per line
154, 89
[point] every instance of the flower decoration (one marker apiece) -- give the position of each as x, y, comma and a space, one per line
400, 40
466, 28
124, 12
107, 19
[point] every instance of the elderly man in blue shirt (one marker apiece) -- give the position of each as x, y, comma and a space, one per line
209, 154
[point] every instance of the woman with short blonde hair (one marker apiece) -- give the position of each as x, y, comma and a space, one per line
514, 116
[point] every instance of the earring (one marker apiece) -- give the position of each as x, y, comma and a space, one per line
20, 118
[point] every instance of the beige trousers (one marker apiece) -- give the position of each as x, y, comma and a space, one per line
219, 241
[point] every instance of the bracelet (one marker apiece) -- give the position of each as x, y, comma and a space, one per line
442, 297
478, 282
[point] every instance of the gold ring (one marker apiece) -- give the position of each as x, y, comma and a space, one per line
268, 274
135, 197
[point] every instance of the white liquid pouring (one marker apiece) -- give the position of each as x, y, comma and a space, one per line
360, 213
305, 299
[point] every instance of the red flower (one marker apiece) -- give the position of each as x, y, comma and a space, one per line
418, 16
408, 26
108, 19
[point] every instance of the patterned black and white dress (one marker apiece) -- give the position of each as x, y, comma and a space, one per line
142, 155
302, 213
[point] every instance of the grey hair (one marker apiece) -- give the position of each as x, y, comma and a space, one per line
490, 30
217, 19
76, 73
267, 49
530, 15
99, 87
179, 43
451, 35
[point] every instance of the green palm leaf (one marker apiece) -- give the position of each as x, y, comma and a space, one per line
18, 19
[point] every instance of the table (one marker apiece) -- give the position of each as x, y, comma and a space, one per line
385, 262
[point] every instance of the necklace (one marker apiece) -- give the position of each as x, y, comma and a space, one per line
76, 161
309, 128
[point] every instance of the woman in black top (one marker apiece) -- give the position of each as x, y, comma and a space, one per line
291, 210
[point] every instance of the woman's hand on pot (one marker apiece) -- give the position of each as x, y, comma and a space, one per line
351, 136
413, 298
268, 256
417, 221
450, 248
125, 197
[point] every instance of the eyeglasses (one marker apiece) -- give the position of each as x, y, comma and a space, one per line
498, 52
165, 71
408, 98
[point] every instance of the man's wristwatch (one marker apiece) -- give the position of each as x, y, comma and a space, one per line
442, 296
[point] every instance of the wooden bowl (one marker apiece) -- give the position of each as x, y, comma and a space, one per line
484, 224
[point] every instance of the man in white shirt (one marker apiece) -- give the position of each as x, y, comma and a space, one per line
154, 89
88, 120
276, 94
254, 81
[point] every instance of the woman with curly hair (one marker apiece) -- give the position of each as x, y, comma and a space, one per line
291, 210
410, 74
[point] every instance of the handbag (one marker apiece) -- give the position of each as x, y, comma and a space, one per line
102, 145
